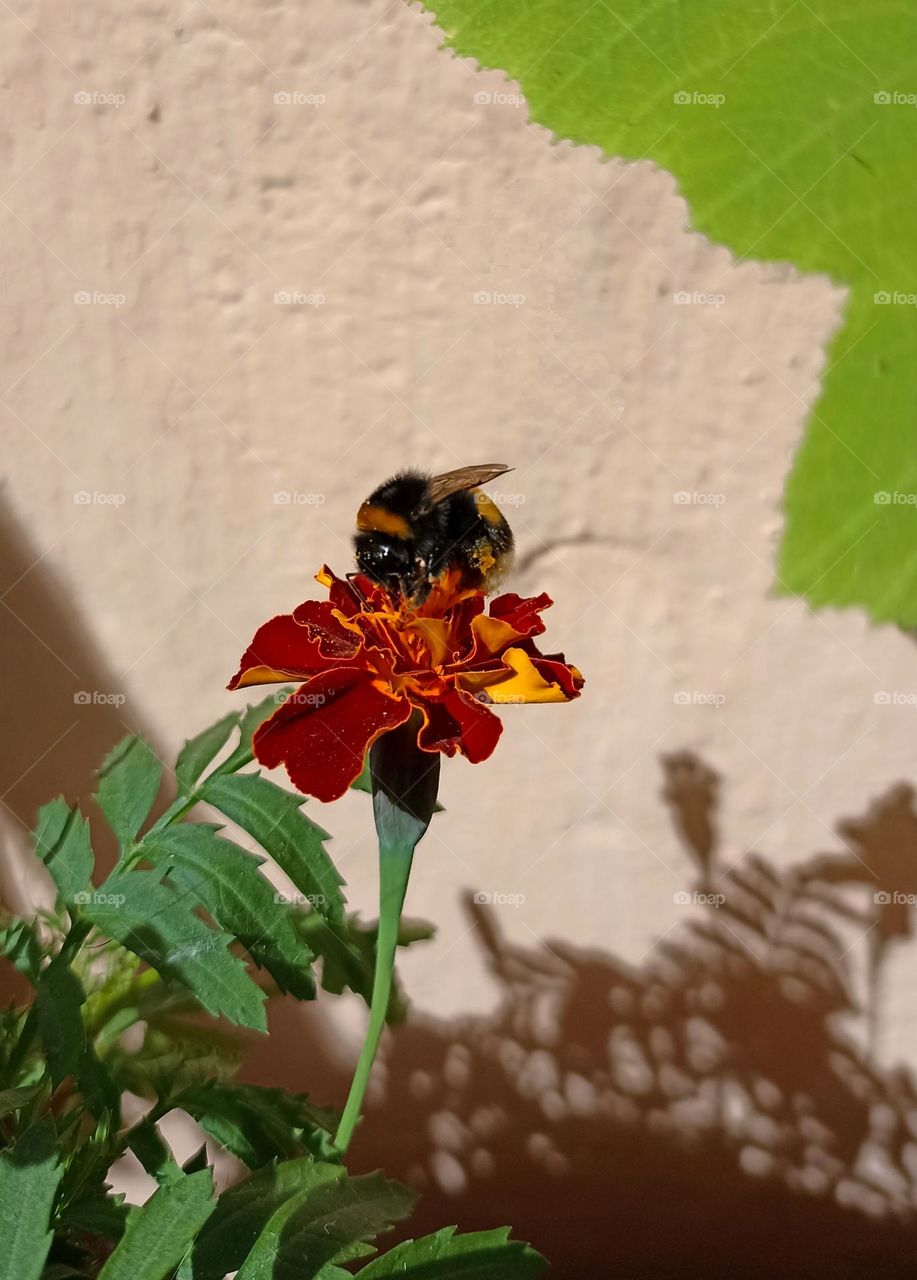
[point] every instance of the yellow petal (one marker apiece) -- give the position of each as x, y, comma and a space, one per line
267, 675
435, 634
525, 684
494, 633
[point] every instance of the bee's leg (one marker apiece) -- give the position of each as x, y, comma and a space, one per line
357, 589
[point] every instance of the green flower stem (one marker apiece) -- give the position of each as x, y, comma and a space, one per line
394, 871
405, 781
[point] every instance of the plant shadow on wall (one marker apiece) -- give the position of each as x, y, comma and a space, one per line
706, 1111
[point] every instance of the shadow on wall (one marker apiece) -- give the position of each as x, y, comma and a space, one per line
706, 1115
64, 707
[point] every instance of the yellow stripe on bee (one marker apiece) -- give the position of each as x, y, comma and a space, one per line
487, 509
372, 519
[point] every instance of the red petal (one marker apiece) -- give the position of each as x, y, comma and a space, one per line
458, 722
521, 612
335, 641
283, 647
321, 733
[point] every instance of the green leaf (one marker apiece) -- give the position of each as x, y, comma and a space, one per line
348, 954
11, 1100
150, 1148
779, 123
62, 842
252, 718
275, 819
198, 752
330, 1219
481, 1255
226, 881
159, 925
254, 1123
29, 1175
20, 944
241, 1212
128, 783
158, 1234
59, 999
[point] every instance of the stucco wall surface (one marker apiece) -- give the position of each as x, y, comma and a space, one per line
257, 257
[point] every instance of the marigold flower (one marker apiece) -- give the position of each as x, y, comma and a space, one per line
368, 661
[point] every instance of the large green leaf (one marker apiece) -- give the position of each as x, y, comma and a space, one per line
791, 129
241, 1213
62, 842
29, 1175
69, 1051
481, 1255
275, 819
225, 879
331, 1219
158, 1234
128, 783
159, 925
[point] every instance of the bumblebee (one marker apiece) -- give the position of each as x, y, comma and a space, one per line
415, 528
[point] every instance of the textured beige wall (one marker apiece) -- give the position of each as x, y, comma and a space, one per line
188, 187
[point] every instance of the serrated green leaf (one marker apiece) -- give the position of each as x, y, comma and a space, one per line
198, 752
331, 1220
61, 838
59, 1001
254, 1123
150, 1148
99, 1213
275, 819
158, 1234
252, 718
29, 1176
480, 1255
241, 1212
348, 952
790, 129
159, 925
128, 783
226, 881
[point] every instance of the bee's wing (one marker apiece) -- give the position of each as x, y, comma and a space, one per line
464, 478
